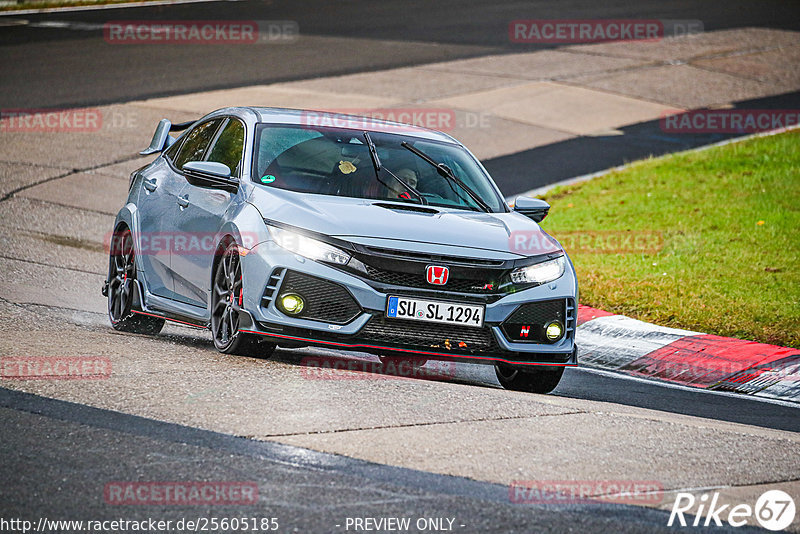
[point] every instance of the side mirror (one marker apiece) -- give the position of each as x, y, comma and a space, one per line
210, 174
533, 208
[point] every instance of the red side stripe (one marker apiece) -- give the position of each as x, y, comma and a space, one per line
427, 353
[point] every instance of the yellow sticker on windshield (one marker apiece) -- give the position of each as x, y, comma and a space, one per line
346, 167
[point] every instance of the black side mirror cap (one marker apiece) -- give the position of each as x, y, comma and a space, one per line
533, 208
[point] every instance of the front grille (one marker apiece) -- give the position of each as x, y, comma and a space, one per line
419, 280
432, 258
324, 300
407, 269
527, 323
430, 336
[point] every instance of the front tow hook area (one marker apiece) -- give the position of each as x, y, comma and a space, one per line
104, 291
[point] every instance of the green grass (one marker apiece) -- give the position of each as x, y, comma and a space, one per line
730, 221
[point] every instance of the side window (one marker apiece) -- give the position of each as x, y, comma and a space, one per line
172, 151
272, 142
196, 143
229, 145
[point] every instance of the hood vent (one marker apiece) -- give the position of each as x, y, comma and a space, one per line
407, 207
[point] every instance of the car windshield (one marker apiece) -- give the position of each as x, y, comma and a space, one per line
334, 161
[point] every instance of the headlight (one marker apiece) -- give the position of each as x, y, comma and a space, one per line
307, 247
540, 273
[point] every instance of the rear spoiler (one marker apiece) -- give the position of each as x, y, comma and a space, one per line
161, 138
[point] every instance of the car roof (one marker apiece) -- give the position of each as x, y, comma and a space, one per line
308, 117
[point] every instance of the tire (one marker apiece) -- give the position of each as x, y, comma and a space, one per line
536, 381
121, 280
226, 300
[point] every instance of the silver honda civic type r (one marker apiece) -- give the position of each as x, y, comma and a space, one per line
278, 227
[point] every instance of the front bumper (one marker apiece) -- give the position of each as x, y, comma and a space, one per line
364, 327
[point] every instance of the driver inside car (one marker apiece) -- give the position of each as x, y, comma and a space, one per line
396, 190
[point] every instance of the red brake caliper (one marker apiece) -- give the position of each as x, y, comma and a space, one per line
241, 296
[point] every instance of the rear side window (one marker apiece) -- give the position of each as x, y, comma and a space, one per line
172, 151
196, 143
229, 146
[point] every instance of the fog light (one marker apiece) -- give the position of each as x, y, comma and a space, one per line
291, 303
554, 331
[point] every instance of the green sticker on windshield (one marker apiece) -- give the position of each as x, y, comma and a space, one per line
268, 179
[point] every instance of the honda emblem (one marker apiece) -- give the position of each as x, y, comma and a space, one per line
437, 275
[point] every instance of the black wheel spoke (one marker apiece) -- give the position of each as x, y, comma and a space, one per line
225, 267
224, 299
225, 324
120, 289
233, 320
113, 284
118, 306
123, 272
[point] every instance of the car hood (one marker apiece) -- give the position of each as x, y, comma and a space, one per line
345, 218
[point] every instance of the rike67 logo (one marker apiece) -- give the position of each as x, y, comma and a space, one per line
774, 510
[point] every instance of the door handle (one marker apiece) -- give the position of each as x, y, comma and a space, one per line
183, 201
150, 184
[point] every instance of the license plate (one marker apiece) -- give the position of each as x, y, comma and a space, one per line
435, 311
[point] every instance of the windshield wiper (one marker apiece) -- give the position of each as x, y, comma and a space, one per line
376, 163
446, 172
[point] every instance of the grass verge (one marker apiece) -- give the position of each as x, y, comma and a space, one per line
708, 240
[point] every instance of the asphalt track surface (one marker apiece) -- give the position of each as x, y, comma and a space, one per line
72, 450
541, 166
46, 65
52, 67
57, 454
